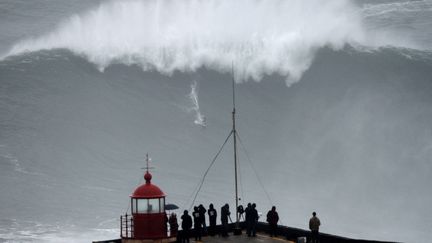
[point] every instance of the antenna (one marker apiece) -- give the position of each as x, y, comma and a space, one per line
147, 167
237, 229
233, 85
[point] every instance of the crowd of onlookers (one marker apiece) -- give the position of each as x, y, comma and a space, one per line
249, 215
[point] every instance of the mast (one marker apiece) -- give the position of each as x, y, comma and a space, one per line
237, 229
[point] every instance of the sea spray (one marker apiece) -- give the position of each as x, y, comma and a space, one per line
260, 37
200, 119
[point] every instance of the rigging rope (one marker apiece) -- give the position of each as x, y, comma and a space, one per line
256, 174
253, 168
208, 169
192, 194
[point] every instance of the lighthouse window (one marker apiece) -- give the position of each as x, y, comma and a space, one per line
134, 203
142, 206
148, 205
153, 206
162, 205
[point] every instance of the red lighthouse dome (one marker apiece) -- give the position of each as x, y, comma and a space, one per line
148, 190
148, 220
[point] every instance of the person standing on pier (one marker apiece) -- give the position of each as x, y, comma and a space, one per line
240, 212
186, 226
173, 224
212, 219
254, 219
272, 219
248, 212
202, 211
314, 224
197, 224
225, 214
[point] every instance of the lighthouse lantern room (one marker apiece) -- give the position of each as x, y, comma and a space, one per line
148, 221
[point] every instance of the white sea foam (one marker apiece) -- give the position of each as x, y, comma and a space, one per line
13, 230
260, 37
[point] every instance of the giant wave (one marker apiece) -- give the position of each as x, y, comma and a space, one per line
351, 140
259, 37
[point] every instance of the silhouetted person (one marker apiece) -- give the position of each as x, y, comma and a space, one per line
248, 212
173, 224
186, 226
225, 214
197, 224
202, 211
314, 224
240, 212
254, 219
272, 219
212, 219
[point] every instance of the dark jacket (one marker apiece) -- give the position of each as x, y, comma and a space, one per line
202, 212
272, 217
314, 223
212, 216
225, 214
248, 212
186, 221
197, 219
254, 215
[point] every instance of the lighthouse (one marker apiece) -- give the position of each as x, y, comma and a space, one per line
148, 220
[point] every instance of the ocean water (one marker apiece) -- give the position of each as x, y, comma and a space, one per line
333, 104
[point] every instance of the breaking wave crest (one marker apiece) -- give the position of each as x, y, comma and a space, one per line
259, 37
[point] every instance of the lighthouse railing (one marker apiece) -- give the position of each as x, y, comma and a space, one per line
126, 226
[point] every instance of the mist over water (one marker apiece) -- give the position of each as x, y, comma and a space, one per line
339, 124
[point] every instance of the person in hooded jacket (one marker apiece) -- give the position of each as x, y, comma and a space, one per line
186, 226
240, 212
202, 211
272, 219
225, 214
248, 212
197, 224
254, 219
212, 219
